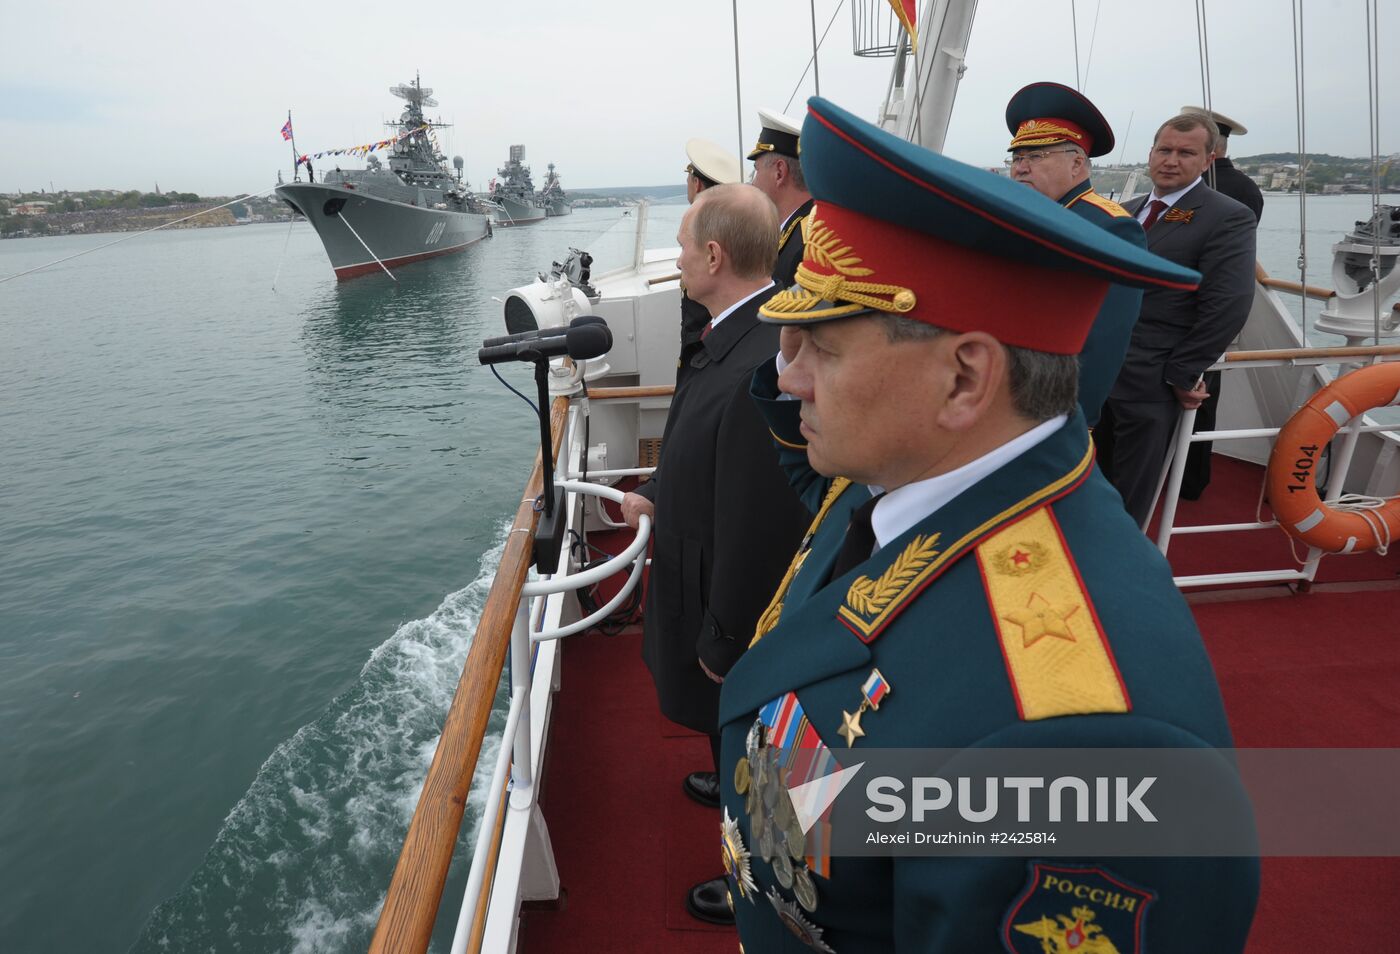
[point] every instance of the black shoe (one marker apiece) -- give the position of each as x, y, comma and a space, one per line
709, 901
702, 787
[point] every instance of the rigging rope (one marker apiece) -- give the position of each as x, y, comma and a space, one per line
738, 99
124, 238
1298, 73
283, 257
1373, 119
1203, 51
362, 242
1074, 30
816, 69
813, 60
1093, 34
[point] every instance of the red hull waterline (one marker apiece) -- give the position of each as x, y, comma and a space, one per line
364, 268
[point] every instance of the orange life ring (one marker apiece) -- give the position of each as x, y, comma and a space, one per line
1292, 490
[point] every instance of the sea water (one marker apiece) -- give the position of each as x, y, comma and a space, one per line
245, 536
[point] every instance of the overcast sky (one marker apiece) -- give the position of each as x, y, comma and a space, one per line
192, 96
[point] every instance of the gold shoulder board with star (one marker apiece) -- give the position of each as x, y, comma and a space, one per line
1057, 657
1108, 205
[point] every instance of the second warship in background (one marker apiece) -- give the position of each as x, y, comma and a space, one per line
377, 218
514, 193
555, 199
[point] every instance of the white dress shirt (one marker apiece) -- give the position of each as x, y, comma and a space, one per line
905, 506
1171, 199
714, 322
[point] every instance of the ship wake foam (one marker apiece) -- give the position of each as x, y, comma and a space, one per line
302, 862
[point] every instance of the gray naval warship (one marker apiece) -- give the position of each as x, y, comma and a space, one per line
552, 194
378, 217
514, 193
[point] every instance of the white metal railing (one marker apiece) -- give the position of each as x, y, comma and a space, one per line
1174, 470
540, 601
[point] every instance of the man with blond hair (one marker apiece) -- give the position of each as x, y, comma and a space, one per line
726, 520
1180, 332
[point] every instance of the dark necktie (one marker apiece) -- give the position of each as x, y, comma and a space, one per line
1153, 211
860, 539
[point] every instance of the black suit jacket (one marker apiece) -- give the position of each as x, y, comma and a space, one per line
1238, 186
727, 522
1181, 333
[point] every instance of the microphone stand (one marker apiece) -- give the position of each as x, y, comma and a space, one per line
550, 532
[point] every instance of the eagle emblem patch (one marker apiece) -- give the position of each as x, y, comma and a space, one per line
1064, 909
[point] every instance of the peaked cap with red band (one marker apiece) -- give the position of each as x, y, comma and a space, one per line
900, 230
1043, 114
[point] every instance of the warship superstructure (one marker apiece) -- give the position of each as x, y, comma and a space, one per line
514, 192
552, 194
381, 217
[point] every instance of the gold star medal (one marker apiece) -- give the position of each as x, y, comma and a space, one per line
873, 691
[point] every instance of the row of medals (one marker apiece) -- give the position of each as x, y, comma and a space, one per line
774, 829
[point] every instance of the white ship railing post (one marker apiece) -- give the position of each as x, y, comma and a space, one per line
521, 777
1184, 427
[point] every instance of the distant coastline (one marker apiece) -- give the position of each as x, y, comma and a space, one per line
33, 214
30, 214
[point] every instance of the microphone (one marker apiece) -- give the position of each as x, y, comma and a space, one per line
543, 332
586, 340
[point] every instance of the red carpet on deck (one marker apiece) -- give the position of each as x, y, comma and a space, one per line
628, 842
1319, 669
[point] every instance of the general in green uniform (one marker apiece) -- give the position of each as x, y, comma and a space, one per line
987, 590
1055, 132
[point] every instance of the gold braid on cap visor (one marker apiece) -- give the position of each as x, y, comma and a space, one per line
840, 285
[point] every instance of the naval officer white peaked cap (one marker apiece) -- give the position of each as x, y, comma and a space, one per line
1227, 126
711, 161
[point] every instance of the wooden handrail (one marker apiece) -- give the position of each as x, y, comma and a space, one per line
1310, 291
1288, 354
631, 393
663, 279
411, 905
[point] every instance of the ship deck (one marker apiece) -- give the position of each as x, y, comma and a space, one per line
1313, 669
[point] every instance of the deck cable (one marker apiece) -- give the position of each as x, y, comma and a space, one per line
800, 79
1373, 120
283, 257
362, 242
124, 238
1093, 34
1300, 105
1203, 51
1074, 32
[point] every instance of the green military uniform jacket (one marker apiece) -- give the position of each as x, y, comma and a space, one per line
1108, 339
1102, 653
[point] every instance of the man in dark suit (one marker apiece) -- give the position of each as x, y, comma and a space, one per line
1180, 332
709, 165
726, 520
1223, 177
777, 171
1056, 131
